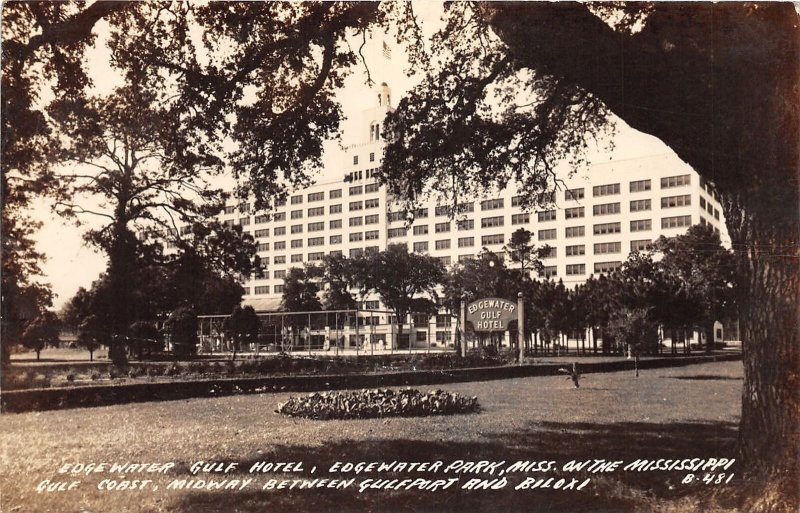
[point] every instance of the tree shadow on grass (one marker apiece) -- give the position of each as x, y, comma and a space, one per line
616, 492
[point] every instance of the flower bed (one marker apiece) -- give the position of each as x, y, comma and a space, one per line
377, 403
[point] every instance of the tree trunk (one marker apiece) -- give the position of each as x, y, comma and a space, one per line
38, 352
769, 298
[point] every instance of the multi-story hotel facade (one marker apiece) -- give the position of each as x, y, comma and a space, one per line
599, 216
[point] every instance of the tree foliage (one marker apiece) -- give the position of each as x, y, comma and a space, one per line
40, 331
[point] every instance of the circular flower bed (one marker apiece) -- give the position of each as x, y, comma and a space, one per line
377, 403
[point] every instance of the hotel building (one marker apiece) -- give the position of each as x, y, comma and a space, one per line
600, 216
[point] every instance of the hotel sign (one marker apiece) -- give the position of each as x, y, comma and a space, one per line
491, 314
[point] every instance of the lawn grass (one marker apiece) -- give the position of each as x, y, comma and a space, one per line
684, 412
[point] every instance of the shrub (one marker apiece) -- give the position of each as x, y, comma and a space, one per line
94, 376
181, 327
377, 403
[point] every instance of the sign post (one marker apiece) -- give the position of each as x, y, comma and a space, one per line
520, 327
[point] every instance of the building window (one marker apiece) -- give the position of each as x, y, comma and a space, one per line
396, 232
316, 227
550, 252
702, 203
442, 227
335, 239
421, 229
442, 210
640, 245
548, 271
421, 213
278, 289
520, 218
602, 248
464, 258
606, 228
420, 247
356, 190
263, 232
466, 224
716, 214
443, 321
675, 181
316, 196
372, 157
280, 230
445, 260
280, 259
607, 267
261, 219
641, 225
297, 214
262, 289
335, 209
296, 258
574, 231
443, 244
355, 160
335, 193
576, 269
297, 228
547, 215
315, 257
489, 240
676, 222
576, 250
371, 235
371, 187
605, 209
640, 186
465, 208
371, 203
371, 219
297, 243
676, 201
640, 205
279, 275
230, 209
547, 234
574, 213
516, 201
466, 242
573, 194
316, 211
279, 216
296, 200
492, 204
264, 246
334, 224
605, 190
244, 221
356, 205
280, 246
395, 216
316, 241
356, 237
356, 221
491, 222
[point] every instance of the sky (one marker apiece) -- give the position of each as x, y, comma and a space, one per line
72, 264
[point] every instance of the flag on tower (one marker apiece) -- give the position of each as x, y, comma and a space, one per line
387, 52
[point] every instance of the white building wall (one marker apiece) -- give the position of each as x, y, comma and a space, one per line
363, 157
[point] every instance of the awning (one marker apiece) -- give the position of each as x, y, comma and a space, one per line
263, 305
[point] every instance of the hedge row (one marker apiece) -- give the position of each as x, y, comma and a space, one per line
100, 395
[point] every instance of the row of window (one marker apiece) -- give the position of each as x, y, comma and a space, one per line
489, 222
634, 186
